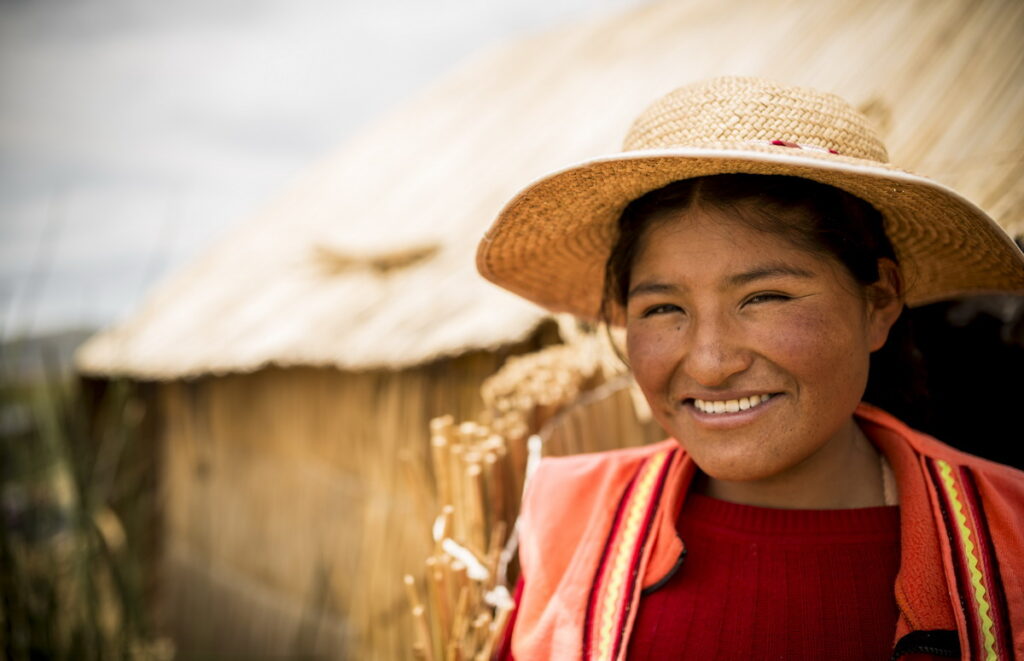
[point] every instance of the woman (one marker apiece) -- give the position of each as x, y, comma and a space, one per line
759, 249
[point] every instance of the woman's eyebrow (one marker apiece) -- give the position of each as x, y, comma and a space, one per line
768, 271
652, 288
756, 273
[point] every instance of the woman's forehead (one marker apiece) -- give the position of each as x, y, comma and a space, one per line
711, 244
696, 231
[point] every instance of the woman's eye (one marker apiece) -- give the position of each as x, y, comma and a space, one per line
767, 297
663, 308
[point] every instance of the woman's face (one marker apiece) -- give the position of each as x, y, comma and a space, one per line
752, 352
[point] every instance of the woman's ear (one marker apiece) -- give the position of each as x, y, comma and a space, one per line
885, 302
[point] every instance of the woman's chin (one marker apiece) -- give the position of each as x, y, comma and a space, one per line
744, 474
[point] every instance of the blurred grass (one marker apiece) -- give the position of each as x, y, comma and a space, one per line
76, 501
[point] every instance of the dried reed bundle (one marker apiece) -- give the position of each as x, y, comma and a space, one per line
563, 399
464, 599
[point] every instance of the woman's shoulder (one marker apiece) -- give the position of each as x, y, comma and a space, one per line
934, 450
557, 479
563, 490
569, 504
569, 466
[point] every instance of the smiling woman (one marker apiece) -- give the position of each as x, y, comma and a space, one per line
759, 250
750, 336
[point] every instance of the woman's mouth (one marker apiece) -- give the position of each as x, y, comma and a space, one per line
730, 405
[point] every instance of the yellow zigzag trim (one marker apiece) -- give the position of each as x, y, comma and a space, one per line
977, 579
625, 545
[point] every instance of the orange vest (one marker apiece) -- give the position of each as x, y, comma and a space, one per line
597, 530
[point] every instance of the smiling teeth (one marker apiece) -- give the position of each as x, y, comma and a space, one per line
730, 405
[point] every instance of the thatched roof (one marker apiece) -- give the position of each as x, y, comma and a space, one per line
367, 262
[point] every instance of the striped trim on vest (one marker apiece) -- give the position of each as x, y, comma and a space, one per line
975, 565
615, 582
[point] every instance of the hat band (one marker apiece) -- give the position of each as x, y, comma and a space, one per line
794, 145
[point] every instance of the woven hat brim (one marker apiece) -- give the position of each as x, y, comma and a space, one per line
551, 241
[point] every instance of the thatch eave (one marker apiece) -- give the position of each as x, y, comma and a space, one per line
942, 80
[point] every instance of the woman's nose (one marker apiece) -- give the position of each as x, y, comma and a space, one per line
715, 353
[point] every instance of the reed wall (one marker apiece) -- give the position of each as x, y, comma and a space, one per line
294, 499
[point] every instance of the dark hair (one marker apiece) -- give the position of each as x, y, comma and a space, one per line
816, 217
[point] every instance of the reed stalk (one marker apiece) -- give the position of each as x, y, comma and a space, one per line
575, 398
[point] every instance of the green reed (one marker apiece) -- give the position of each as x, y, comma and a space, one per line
75, 517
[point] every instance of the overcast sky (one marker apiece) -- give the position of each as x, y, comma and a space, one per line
133, 132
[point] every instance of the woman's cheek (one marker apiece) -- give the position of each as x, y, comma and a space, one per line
653, 354
799, 336
812, 344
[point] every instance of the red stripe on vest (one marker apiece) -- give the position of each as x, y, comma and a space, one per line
990, 564
616, 580
979, 586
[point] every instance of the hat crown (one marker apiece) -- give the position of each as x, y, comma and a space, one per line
739, 112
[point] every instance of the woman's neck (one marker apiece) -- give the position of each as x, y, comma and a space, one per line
845, 473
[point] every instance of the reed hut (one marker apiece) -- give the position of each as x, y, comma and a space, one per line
294, 367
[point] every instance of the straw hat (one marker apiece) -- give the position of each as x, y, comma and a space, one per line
550, 243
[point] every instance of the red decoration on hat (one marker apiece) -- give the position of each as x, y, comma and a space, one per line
786, 143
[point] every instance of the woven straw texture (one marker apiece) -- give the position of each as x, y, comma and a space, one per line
738, 109
305, 281
550, 244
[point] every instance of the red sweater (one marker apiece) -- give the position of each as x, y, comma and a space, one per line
750, 573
